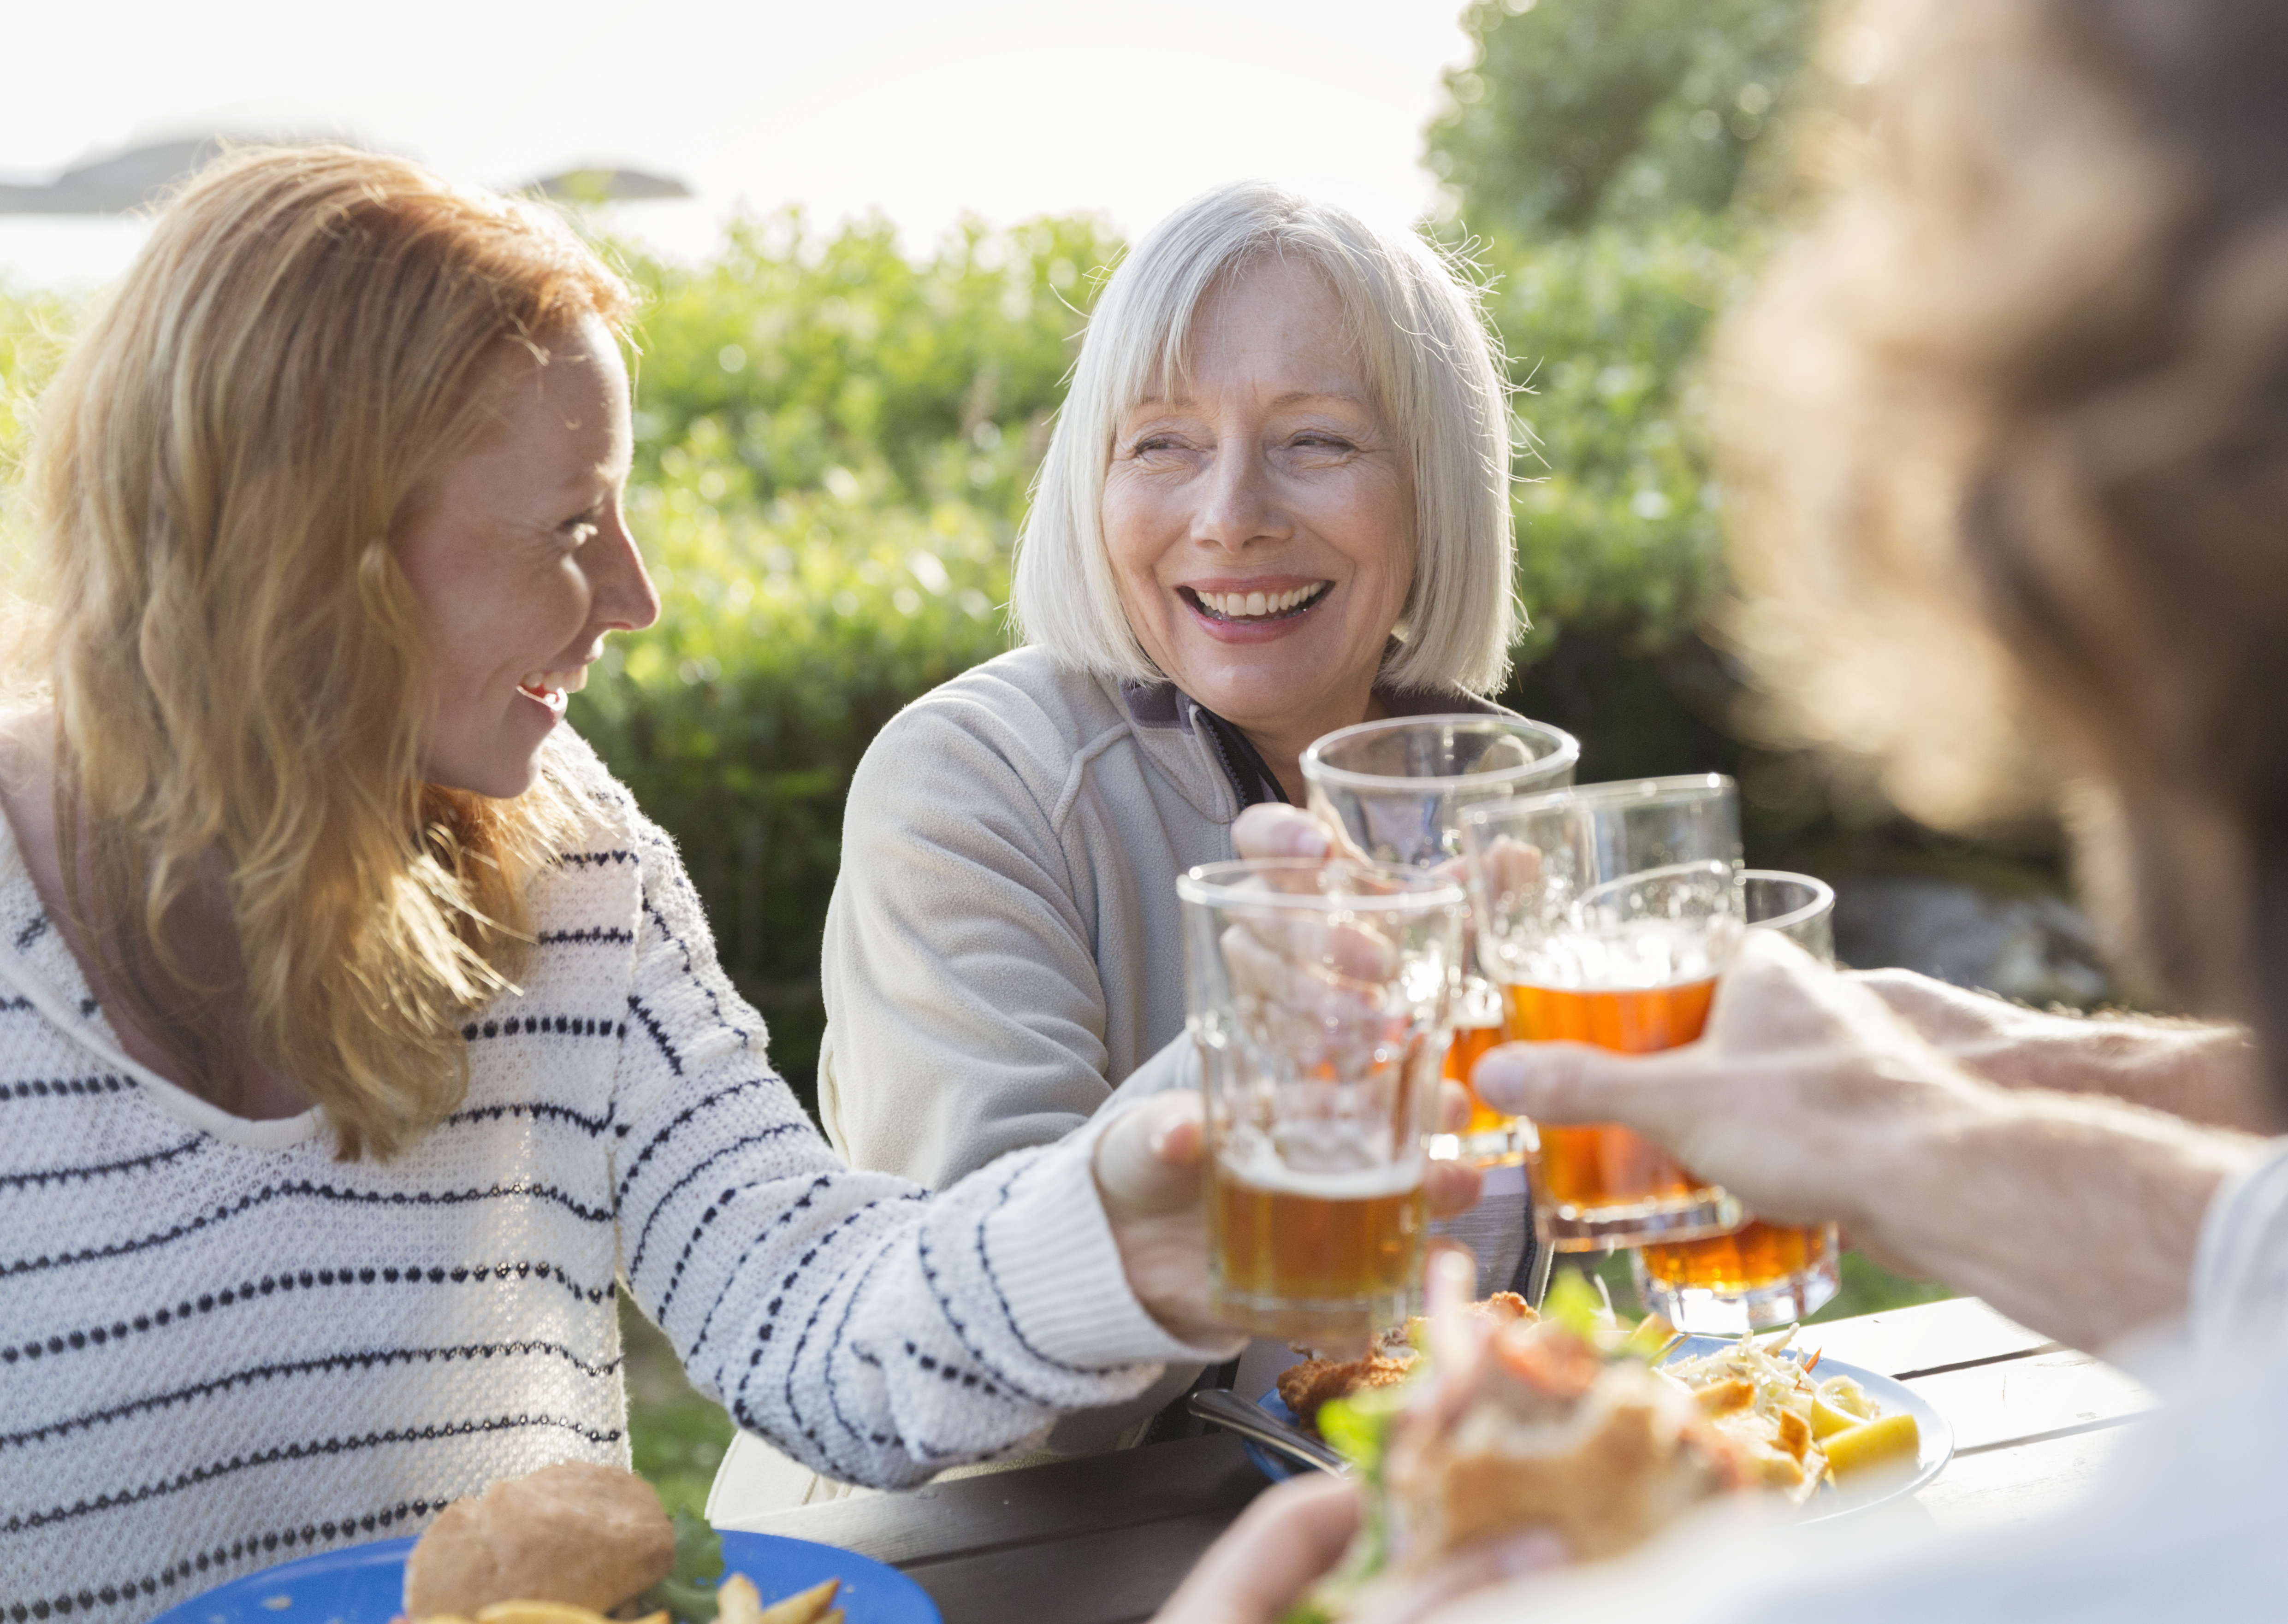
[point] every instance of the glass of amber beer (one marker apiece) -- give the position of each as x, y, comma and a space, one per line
1761, 1273
1321, 997
1605, 913
1397, 789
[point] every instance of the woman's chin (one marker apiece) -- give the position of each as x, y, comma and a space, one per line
500, 774
1273, 694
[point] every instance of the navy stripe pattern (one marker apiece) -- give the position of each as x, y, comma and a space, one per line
218, 1352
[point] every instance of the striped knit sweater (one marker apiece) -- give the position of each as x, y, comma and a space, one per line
220, 1348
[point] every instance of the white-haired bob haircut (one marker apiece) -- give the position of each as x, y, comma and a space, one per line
1435, 374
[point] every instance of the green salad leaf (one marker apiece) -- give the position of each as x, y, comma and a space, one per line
687, 1593
1574, 1303
1359, 1425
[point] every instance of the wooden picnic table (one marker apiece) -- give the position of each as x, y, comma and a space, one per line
1105, 1539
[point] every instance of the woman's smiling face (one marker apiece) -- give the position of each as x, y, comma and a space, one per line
521, 561
1260, 517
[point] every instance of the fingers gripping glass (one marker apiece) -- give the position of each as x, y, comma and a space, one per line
1605, 914
1321, 999
1761, 1274
1397, 791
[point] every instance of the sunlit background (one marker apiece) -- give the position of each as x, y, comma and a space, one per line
920, 110
866, 238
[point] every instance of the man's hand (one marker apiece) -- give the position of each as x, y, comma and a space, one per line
1799, 1091
1810, 1099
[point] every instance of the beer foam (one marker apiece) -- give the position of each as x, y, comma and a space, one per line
1259, 1167
1636, 956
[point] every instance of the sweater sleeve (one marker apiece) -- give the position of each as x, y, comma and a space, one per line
875, 1331
965, 1012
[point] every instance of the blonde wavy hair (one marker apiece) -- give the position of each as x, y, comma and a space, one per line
238, 666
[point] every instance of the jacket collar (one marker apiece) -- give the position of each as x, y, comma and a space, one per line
1172, 730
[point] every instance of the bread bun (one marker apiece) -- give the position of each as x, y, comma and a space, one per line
575, 1532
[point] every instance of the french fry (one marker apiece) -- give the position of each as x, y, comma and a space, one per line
738, 1601
834, 1617
809, 1607
537, 1612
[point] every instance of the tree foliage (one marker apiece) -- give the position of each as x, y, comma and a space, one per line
1573, 111
1613, 164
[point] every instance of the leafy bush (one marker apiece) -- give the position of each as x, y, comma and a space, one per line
834, 444
33, 329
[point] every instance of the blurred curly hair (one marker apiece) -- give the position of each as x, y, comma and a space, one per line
2007, 436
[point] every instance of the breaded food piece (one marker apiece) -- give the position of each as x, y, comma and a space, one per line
1635, 1469
1303, 1388
575, 1532
1602, 1455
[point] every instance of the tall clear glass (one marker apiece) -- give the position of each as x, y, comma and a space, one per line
1398, 788
1606, 913
1321, 998
1761, 1274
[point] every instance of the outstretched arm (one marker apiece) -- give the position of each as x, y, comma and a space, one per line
2198, 1070
1811, 1099
865, 1326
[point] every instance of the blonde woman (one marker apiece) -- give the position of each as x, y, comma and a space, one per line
356, 1031
1276, 502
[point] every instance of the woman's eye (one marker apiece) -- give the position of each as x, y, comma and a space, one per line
580, 532
1151, 443
1325, 442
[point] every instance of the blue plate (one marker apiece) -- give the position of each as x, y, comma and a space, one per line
1937, 1436
365, 1584
1278, 1468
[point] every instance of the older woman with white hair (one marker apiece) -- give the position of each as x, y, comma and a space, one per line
1276, 503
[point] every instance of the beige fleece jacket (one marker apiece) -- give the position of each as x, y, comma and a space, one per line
1004, 947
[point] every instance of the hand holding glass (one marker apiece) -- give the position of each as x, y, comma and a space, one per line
1321, 997
1606, 912
1761, 1274
1397, 789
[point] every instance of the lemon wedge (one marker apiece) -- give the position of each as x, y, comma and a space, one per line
1838, 1405
1874, 1443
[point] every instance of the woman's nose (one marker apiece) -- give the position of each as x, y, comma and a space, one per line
625, 600
1239, 504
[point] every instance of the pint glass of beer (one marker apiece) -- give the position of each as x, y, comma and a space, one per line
1321, 997
1605, 913
1398, 788
1763, 1273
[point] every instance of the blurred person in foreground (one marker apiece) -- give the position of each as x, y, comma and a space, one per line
2010, 433
1276, 503
357, 1032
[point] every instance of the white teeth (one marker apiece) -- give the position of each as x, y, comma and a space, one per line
1251, 606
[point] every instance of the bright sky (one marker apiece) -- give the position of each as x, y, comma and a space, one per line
922, 108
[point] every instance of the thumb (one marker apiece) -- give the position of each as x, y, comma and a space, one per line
1148, 1163
1562, 1082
